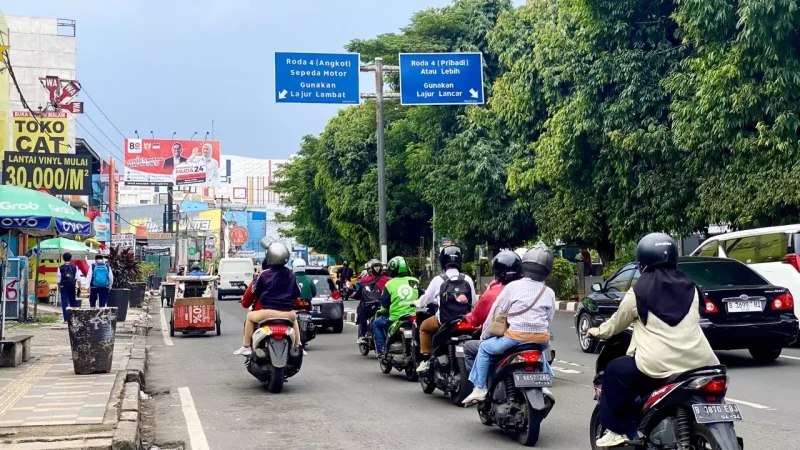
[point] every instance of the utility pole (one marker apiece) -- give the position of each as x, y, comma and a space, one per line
379, 95
222, 252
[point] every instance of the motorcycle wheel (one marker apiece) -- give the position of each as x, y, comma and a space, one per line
464, 386
595, 429
703, 439
411, 374
484, 416
530, 435
427, 384
276, 382
363, 349
385, 366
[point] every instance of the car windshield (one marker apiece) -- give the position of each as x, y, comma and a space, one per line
721, 273
321, 282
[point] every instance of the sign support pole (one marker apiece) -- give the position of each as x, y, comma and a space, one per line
379, 95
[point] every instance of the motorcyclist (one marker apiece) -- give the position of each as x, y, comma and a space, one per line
664, 309
397, 300
344, 274
530, 307
308, 290
453, 291
276, 290
369, 295
507, 267
197, 270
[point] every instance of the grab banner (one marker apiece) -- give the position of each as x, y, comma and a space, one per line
167, 162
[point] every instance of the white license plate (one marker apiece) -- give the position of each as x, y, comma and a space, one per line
725, 412
408, 334
459, 350
744, 306
317, 309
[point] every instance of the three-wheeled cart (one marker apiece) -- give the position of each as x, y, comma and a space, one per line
194, 310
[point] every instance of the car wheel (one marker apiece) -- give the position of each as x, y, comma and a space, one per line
338, 327
765, 355
587, 344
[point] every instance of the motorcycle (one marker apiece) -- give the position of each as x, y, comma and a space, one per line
308, 331
447, 371
346, 290
688, 412
274, 358
518, 397
399, 350
369, 338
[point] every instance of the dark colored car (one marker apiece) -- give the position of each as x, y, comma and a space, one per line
327, 309
738, 310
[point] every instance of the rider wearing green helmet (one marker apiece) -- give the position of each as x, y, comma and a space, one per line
397, 300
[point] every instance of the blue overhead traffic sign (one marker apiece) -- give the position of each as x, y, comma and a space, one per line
316, 78
441, 78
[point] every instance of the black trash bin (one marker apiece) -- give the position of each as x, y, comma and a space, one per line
119, 298
167, 294
91, 337
137, 295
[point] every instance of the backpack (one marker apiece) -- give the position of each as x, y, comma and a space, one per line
371, 293
100, 276
449, 306
68, 272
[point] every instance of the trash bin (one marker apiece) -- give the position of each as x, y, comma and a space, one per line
168, 294
91, 337
137, 295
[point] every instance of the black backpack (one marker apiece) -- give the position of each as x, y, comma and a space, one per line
68, 275
449, 306
370, 292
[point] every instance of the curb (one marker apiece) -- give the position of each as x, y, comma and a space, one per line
350, 316
567, 306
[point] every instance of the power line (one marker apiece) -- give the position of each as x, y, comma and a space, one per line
113, 144
101, 112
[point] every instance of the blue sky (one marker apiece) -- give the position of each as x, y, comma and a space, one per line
174, 65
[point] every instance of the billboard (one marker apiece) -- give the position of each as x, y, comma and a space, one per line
168, 162
102, 227
45, 133
58, 174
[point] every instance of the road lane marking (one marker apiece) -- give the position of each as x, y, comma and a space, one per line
165, 329
197, 437
791, 357
563, 370
570, 363
752, 405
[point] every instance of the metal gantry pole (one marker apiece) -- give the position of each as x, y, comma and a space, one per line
380, 69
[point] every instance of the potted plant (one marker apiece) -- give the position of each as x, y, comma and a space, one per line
126, 271
140, 285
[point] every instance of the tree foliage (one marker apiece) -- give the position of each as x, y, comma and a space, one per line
605, 120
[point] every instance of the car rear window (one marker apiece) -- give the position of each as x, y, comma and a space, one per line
721, 273
321, 282
762, 248
235, 266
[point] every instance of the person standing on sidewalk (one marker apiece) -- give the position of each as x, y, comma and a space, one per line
100, 279
66, 279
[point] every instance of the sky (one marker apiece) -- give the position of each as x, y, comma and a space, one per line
175, 65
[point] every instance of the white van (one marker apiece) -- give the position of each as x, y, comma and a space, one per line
235, 274
773, 252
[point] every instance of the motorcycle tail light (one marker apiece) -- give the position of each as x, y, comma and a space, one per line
300, 303
413, 319
277, 331
530, 357
336, 296
710, 385
464, 325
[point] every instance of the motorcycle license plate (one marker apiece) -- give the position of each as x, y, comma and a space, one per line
720, 412
408, 334
531, 379
317, 309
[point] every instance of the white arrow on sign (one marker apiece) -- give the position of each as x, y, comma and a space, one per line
473, 93
282, 94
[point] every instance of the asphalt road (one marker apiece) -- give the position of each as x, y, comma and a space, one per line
340, 399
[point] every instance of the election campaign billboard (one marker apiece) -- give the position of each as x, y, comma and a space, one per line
57, 174
169, 162
43, 133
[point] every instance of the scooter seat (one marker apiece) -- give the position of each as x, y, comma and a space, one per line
286, 322
699, 372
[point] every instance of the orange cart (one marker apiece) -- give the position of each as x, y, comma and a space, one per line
196, 313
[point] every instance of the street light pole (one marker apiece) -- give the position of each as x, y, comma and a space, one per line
379, 95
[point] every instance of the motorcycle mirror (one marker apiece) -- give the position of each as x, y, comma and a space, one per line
597, 287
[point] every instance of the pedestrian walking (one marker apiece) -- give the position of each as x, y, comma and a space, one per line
66, 279
150, 276
100, 279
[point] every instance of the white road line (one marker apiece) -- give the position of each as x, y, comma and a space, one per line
570, 363
752, 405
165, 329
791, 357
197, 437
563, 370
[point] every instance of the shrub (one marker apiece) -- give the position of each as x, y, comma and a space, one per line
144, 270
562, 279
124, 266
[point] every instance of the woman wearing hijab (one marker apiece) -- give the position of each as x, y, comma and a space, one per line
664, 309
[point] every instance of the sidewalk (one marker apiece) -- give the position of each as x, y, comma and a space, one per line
45, 405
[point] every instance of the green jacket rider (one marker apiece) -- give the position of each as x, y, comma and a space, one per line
397, 300
308, 290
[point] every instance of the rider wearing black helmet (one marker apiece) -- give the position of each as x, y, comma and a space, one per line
664, 309
529, 306
369, 295
453, 291
507, 267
